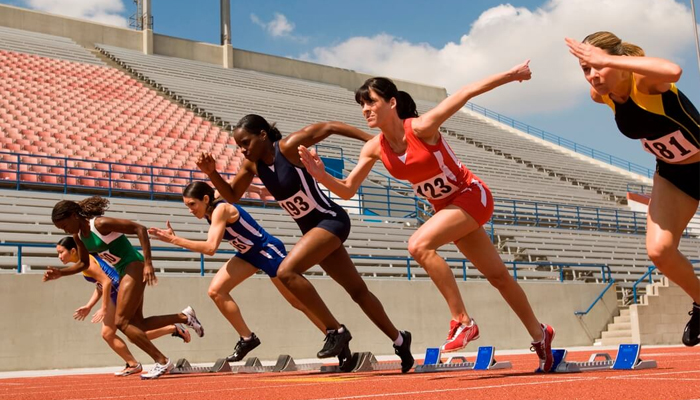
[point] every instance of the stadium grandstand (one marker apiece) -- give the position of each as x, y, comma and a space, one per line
92, 109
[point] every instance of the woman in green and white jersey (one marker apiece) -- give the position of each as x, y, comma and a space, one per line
95, 233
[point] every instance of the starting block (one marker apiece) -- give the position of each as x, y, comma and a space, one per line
627, 359
484, 361
183, 367
285, 363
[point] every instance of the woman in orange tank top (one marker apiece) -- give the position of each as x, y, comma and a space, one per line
411, 148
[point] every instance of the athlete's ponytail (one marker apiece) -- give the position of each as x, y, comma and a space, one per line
613, 45
386, 89
91, 207
197, 190
255, 124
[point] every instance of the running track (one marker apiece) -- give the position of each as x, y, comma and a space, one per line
677, 377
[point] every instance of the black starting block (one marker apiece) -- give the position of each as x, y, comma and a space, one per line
627, 359
182, 366
484, 361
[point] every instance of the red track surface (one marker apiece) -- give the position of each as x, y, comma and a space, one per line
677, 377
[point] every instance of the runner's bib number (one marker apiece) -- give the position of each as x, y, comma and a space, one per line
110, 258
240, 245
298, 205
673, 147
435, 188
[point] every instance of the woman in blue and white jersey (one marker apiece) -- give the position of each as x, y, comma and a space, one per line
257, 251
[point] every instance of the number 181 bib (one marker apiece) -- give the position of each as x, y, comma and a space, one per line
673, 147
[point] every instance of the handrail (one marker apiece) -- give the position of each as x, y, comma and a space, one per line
600, 296
651, 269
566, 143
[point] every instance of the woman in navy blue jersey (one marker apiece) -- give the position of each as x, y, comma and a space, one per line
325, 225
257, 250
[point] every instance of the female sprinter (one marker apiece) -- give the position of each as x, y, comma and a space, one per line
106, 236
103, 274
648, 106
325, 224
257, 250
412, 148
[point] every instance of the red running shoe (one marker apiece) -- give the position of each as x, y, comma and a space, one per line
459, 336
543, 349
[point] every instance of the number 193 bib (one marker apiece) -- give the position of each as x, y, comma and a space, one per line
298, 205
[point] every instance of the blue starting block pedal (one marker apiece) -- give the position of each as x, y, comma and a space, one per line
627, 359
484, 361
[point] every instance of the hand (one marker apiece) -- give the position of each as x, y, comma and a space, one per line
99, 316
164, 235
521, 72
592, 56
149, 274
51, 274
206, 163
312, 162
81, 313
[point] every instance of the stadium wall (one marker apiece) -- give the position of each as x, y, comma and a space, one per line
39, 333
89, 33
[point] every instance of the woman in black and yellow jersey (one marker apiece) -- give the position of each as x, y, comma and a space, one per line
648, 106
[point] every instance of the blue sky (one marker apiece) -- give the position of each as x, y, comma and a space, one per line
447, 43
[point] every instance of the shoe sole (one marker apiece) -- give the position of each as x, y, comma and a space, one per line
442, 349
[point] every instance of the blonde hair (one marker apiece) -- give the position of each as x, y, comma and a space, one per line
613, 44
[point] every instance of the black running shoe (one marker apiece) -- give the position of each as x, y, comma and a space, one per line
345, 360
691, 334
243, 347
404, 351
335, 343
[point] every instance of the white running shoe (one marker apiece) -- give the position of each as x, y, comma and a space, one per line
158, 370
182, 333
129, 370
193, 322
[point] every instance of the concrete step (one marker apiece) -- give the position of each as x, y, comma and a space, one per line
619, 333
620, 326
624, 319
624, 312
614, 341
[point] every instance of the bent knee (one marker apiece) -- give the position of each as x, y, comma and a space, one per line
659, 253
500, 280
419, 249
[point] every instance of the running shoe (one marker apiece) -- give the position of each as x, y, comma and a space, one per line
182, 333
129, 370
193, 322
543, 348
158, 370
691, 334
459, 336
243, 347
404, 351
334, 343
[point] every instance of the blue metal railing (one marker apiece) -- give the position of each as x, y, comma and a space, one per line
648, 274
566, 143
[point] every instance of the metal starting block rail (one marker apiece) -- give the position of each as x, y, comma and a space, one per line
627, 359
183, 367
484, 361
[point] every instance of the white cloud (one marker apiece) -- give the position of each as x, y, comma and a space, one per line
278, 27
504, 36
102, 11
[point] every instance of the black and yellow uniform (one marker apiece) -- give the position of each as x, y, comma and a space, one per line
668, 125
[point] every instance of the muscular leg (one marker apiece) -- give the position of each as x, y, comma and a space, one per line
128, 301
340, 267
294, 302
477, 247
109, 334
312, 248
446, 226
229, 276
670, 210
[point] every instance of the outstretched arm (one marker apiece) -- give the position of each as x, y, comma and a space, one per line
656, 74
216, 233
345, 188
426, 126
231, 192
315, 133
83, 311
